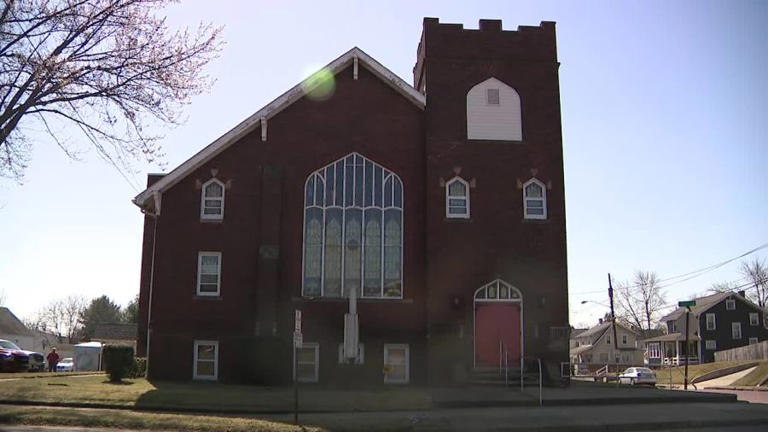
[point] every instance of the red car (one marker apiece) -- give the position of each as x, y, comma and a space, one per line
12, 358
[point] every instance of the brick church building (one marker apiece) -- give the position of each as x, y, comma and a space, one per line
419, 229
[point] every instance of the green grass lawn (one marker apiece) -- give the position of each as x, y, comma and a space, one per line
138, 420
17, 375
140, 393
662, 375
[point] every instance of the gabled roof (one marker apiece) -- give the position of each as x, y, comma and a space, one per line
705, 303
273, 108
114, 331
602, 327
11, 325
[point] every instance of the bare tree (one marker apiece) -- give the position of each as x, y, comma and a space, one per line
719, 287
756, 274
71, 308
61, 317
640, 302
105, 68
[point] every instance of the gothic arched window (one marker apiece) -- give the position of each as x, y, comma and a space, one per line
534, 200
353, 230
212, 200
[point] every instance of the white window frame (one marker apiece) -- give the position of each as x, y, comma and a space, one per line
713, 322
730, 304
387, 378
215, 376
214, 217
624, 339
316, 347
359, 359
654, 350
543, 200
200, 256
753, 341
449, 197
710, 344
734, 326
754, 319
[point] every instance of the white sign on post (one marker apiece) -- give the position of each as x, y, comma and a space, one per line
298, 338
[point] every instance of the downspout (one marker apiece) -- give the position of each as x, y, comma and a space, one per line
156, 216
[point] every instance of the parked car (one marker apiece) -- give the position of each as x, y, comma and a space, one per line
36, 361
12, 358
65, 365
638, 375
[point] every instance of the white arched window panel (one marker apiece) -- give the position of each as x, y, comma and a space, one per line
534, 199
353, 230
493, 112
498, 290
212, 200
457, 199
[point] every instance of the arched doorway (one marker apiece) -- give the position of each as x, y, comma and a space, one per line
498, 322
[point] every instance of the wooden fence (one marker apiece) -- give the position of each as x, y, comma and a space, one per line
758, 351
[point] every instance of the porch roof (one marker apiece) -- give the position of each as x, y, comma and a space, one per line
580, 349
667, 338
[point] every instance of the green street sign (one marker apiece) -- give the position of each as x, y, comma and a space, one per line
688, 303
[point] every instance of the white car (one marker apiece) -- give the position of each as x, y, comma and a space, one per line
65, 365
638, 375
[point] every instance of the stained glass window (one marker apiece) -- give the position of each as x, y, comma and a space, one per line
353, 230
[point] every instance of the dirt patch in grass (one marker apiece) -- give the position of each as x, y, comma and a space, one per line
138, 420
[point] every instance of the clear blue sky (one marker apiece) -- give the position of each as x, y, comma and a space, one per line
664, 108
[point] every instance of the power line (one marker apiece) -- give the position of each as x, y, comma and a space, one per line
692, 274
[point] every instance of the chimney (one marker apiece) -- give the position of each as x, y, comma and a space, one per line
599, 320
742, 293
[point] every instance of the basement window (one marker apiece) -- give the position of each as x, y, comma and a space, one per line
306, 366
206, 360
396, 359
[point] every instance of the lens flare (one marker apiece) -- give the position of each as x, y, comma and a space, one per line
320, 85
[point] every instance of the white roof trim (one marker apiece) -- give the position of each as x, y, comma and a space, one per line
272, 109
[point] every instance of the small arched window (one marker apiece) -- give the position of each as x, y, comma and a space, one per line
212, 200
534, 199
494, 112
457, 199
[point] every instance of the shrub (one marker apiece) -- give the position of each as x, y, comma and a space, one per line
118, 361
139, 368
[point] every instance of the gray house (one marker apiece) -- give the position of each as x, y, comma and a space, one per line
717, 322
12, 329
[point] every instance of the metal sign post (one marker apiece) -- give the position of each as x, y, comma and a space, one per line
298, 339
687, 305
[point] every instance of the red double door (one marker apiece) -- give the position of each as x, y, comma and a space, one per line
494, 322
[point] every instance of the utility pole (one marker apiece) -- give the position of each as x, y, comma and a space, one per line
613, 324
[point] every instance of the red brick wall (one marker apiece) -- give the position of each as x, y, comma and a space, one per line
496, 242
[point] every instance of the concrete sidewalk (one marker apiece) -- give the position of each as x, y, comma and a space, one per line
720, 416
578, 393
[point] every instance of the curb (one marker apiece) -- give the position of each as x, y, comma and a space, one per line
700, 398
670, 425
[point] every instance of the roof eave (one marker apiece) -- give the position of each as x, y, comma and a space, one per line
273, 108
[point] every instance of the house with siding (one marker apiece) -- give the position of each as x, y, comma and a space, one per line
596, 346
717, 322
413, 233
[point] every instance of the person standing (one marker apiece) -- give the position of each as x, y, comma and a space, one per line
53, 359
